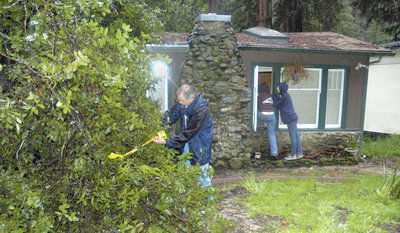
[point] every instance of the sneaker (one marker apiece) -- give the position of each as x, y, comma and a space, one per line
290, 157
299, 156
274, 156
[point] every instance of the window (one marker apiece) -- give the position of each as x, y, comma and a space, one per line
160, 92
319, 100
306, 97
334, 99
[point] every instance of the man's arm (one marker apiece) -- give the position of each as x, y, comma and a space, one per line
171, 115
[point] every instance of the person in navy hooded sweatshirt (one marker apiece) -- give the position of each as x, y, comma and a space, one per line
283, 102
195, 131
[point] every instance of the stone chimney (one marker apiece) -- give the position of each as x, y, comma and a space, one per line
215, 67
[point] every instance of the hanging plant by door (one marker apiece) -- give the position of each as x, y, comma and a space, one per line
294, 71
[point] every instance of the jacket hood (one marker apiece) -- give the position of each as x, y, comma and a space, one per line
283, 87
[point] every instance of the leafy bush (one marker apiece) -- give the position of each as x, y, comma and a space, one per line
390, 188
74, 90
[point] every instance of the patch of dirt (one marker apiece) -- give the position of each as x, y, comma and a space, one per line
393, 227
233, 212
342, 214
338, 172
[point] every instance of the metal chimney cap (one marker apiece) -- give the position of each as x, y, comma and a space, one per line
267, 35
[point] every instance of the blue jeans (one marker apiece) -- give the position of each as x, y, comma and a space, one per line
270, 121
296, 146
204, 178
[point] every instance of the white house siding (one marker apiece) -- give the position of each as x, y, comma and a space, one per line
382, 113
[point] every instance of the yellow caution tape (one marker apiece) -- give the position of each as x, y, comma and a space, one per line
161, 134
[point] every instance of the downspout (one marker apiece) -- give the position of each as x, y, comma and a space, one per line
377, 61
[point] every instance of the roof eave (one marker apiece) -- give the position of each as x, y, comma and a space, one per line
184, 48
343, 52
168, 48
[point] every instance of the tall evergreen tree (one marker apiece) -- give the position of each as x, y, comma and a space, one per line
384, 11
306, 15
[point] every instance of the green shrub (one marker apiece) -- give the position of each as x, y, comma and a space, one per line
390, 188
74, 80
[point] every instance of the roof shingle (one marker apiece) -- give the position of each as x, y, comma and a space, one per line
324, 41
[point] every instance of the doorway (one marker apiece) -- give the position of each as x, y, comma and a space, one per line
262, 74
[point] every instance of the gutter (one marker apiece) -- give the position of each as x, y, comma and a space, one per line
343, 52
184, 48
377, 61
168, 48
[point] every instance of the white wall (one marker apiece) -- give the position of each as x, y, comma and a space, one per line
382, 113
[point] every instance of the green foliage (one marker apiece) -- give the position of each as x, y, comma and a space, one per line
177, 15
306, 205
23, 204
382, 147
74, 80
390, 188
354, 25
352, 142
386, 12
243, 12
310, 15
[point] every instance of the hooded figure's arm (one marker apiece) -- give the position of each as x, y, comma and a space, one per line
278, 101
196, 123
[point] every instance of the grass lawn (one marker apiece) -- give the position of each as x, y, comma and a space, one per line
386, 146
308, 205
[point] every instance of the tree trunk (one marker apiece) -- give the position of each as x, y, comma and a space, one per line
263, 16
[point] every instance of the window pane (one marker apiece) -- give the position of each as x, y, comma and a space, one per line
311, 82
334, 98
305, 103
305, 98
159, 94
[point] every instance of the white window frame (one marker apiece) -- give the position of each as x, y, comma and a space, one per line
339, 124
308, 126
255, 95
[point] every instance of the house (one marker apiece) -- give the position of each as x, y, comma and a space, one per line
383, 107
227, 67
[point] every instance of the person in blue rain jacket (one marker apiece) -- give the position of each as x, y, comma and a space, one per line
283, 102
195, 131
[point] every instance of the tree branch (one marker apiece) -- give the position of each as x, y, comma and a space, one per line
5, 36
26, 64
78, 124
6, 7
